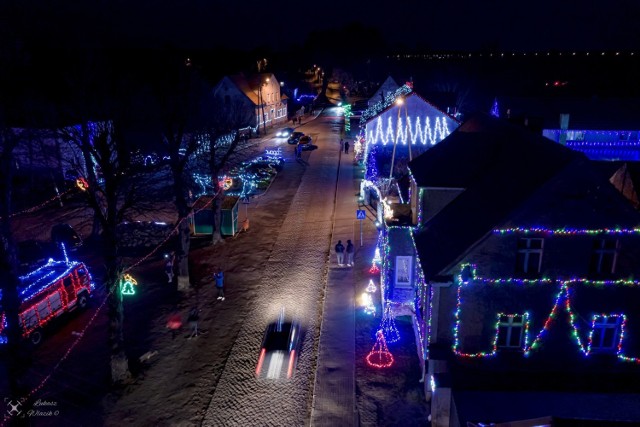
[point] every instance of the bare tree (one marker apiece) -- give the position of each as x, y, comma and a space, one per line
112, 196
8, 270
224, 141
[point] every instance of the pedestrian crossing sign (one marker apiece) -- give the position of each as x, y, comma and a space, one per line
360, 214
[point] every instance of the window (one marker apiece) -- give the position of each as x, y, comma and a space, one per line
606, 332
511, 330
529, 258
603, 259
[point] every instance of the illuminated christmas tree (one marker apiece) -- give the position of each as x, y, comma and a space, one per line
371, 287
495, 112
388, 325
379, 356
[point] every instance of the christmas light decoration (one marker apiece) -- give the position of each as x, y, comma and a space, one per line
127, 284
379, 356
468, 277
367, 303
388, 325
568, 231
379, 106
374, 268
57, 283
409, 132
495, 112
432, 384
371, 287
226, 182
82, 184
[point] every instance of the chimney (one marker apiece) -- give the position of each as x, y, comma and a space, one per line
564, 125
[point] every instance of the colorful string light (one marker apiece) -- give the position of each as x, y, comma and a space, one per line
388, 325
567, 231
379, 356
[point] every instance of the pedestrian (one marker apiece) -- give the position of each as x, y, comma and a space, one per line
168, 267
346, 146
349, 253
193, 321
298, 151
340, 252
219, 276
341, 143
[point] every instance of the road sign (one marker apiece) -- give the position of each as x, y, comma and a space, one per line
361, 214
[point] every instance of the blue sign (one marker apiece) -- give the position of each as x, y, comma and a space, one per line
360, 214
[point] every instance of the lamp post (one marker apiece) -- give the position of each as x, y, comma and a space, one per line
261, 100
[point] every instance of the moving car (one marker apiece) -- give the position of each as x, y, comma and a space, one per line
64, 233
295, 136
280, 350
284, 132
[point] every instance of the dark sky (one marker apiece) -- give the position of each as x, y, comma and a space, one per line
460, 25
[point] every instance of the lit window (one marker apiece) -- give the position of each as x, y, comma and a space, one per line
606, 332
511, 330
605, 254
529, 258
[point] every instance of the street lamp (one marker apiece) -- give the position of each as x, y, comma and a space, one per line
261, 101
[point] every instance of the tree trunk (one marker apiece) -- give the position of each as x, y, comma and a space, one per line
216, 235
184, 236
119, 363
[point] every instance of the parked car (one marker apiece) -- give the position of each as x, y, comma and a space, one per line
64, 233
280, 350
69, 287
305, 143
284, 132
295, 137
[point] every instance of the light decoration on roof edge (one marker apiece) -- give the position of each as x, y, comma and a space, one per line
563, 296
567, 231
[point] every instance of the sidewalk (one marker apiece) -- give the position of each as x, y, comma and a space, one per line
334, 400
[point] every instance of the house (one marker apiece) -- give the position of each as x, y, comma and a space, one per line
259, 93
527, 263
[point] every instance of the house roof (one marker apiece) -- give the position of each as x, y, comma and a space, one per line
388, 86
499, 165
250, 85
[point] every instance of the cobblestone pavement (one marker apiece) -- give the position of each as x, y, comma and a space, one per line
294, 277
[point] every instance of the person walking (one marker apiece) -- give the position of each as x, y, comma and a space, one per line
298, 151
350, 249
174, 322
340, 252
193, 317
219, 276
168, 267
346, 147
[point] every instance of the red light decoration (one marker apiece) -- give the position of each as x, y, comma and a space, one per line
374, 269
82, 184
379, 356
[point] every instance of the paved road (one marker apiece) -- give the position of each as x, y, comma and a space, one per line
294, 277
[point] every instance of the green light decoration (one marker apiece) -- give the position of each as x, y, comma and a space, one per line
127, 284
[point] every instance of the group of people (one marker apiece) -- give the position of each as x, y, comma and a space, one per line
345, 144
340, 251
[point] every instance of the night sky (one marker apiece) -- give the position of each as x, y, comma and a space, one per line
247, 24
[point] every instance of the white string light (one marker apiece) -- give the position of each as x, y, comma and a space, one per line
411, 131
